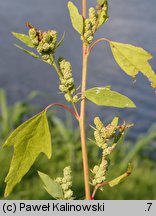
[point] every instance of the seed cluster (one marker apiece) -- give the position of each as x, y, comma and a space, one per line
44, 42
67, 82
66, 183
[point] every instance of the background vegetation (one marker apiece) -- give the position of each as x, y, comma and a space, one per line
140, 185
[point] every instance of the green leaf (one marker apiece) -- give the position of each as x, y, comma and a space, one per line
133, 59
121, 178
76, 18
59, 43
103, 96
29, 140
103, 14
24, 38
28, 52
115, 121
101, 2
52, 187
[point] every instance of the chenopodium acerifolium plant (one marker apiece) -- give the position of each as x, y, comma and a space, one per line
33, 136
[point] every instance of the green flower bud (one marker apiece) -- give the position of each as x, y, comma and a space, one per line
35, 41
63, 88
68, 178
99, 180
92, 13
46, 47
64, 181
88, 25
64, 187
75, 99
68, 194
58, 180
48, 38
95, 169
94, 182
99, 125
67, 97
32, 33
67, 171
100, 174
69, 183
73, 90
93, 21
40, 49
108, 151
63, 81
52, 46
45, 57
70, 81
89, 39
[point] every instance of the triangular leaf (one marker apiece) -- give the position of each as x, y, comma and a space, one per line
103, 96
121, 178
24, 38
133, 59
29, 140
52, 187
76, 18
28, 52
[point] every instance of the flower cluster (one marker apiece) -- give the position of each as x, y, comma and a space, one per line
44, 42
102, 134
66, 183
99, 172
95, 20
90, 25
67, 82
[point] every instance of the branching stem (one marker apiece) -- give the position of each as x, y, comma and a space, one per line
64, 107
103, 184
97, 41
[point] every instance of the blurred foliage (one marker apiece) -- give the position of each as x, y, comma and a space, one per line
67, 151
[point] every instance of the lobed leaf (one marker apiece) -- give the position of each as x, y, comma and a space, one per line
76, 18
121, 178
28, 52
52, 187
103, 96
24, 38
29, 140
133, 59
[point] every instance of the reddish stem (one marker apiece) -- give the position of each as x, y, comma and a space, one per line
64, 107
97, 41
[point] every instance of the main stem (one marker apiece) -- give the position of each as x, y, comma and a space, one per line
82, 113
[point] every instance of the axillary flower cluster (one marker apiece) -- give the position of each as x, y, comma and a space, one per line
66, 183
44, 42
67, 85
96, 18
102, 137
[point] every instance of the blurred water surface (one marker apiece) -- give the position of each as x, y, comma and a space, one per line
130, 22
